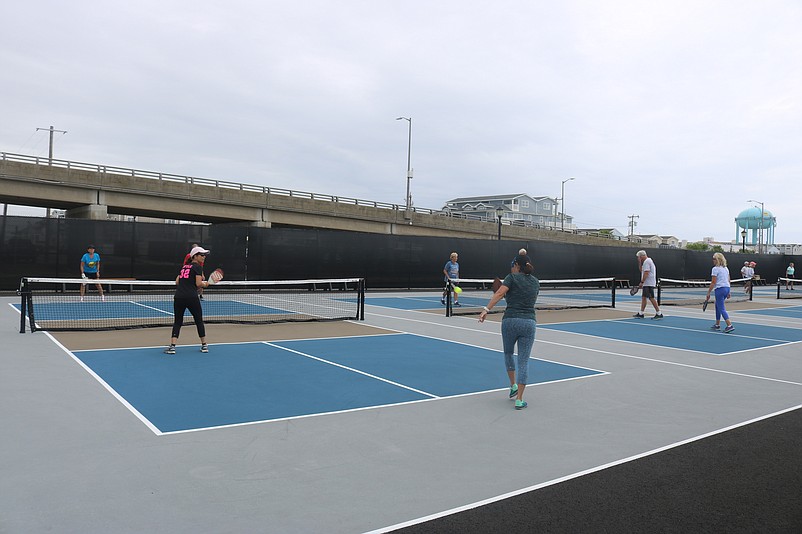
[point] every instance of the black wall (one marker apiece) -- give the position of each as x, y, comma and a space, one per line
36, 246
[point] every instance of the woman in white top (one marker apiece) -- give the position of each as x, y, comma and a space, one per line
720, 285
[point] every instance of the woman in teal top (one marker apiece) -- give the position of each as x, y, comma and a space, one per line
520, 288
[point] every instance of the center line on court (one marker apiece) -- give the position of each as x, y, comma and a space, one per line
350, 369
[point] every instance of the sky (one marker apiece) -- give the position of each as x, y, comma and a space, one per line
678, 112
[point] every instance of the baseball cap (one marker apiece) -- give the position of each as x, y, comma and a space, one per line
198, 250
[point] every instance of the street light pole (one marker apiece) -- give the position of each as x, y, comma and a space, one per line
409, 164
562, 199
743, 239
760, 227
499, 214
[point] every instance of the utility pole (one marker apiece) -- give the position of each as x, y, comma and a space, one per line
408, 202
632, 224
50, 150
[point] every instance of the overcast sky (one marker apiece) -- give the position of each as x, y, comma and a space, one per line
678, 112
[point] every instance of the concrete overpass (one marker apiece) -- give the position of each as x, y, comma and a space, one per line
94, 191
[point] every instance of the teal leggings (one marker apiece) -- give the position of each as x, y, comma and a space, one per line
522, 332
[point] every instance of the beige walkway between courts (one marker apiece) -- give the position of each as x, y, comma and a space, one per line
75, 459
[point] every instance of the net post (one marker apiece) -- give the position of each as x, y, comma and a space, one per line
23, 288
28, 296
750, 290
659, 293
613, 284
779, 280
447, 292
361, 310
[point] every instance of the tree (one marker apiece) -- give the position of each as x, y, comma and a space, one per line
717, 248
699, 245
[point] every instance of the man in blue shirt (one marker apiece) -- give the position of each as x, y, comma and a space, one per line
451, 270
90, 269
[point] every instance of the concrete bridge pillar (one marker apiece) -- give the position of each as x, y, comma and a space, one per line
264, 219
95, 212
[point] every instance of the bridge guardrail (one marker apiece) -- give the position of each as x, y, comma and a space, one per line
138, 173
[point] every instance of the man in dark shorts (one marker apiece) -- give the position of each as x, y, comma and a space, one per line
648, 282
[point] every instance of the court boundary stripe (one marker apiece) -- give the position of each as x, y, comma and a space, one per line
642, 343
654, 324
537, 340
679, 364
108, 388
578, 474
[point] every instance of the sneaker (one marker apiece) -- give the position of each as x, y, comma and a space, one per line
443, 302
457, 304
170, 350
204, 348
729, 329
638, 316
715, 327
513, 391
658, 316
103, 298
520, 405
82, 299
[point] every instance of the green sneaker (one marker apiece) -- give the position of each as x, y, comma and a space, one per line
513, 391
520, 405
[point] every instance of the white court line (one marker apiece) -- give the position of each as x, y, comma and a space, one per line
654, 324
352, 369
147, 307
678, 364
110, 389
572, 476
623, 355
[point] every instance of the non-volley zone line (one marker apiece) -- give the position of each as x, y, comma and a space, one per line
246, 383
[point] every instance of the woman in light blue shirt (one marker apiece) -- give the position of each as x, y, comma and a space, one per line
720, 285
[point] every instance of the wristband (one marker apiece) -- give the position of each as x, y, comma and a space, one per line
486, 309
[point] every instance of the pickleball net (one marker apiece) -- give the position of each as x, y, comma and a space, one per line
789, 288
554, 295
673, 292
55, 304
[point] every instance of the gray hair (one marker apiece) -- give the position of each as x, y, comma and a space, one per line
641, 253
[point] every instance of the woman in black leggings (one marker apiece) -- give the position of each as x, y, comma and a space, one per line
188, 282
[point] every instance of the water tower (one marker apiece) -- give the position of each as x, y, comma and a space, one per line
759, 226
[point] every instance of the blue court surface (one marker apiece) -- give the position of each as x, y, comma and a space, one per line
250, 382
791, 311
684, 333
